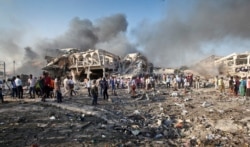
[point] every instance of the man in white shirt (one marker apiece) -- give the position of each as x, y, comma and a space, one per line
32, 82
88, 85
19, 86
66, 86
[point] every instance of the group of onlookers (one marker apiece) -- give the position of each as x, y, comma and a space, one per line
238, 86
42, 87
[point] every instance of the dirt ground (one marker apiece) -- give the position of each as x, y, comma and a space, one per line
194, 117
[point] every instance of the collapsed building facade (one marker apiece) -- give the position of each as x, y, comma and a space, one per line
235, 63
96, 63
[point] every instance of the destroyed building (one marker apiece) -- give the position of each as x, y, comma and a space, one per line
96, 63
232, 64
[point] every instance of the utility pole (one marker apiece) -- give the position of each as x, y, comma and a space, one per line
4, 70
14, 72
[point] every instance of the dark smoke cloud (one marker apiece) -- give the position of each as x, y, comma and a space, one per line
178, 38
106, 33
31, 63
85, 34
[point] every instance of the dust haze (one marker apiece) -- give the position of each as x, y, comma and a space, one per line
179, 38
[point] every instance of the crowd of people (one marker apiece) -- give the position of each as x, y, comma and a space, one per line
47, 87
43, 87
238, 86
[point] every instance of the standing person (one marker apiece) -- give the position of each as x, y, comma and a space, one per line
142, 81
133, 87
19, 86
168, 81
236, 85
128, 85
14, 87
32, 82
221, 85
1, 93
231, 85
191, 80
186, 83
71, 86
197, 82
178, 80
94, 93
66, 86
40, 87
47, 82
112, 83
242, 87
248, 87
88, 84
138, 83
122, 83
101, 86
51, 86
105, 89
182, 81
118, 80
57, 88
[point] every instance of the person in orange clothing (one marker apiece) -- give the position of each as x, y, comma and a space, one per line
51, 85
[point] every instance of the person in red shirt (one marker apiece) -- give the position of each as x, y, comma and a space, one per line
47, 82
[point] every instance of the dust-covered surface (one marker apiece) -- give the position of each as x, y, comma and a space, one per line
162, 117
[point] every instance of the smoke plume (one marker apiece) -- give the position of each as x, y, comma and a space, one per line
181, 37
107, 33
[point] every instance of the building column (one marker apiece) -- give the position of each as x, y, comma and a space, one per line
77, 66
73, 75
88, 73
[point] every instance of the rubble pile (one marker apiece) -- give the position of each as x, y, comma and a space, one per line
162, 116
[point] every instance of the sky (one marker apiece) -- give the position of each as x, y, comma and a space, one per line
169, 33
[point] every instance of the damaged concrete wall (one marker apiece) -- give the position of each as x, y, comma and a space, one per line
96, 63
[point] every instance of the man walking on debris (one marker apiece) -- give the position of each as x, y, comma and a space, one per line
32, 82
197, 82
112, 83
66, 86
221, 85
71, 86
47, 82
101, 86
236, 85
128, 84
57, 84
19, 85
168, 80
1, 94
133, 87
231, 85
14, 87
94, 93
105, 89
88, 85
242, 87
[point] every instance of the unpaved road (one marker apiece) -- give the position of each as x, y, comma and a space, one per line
207, 119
